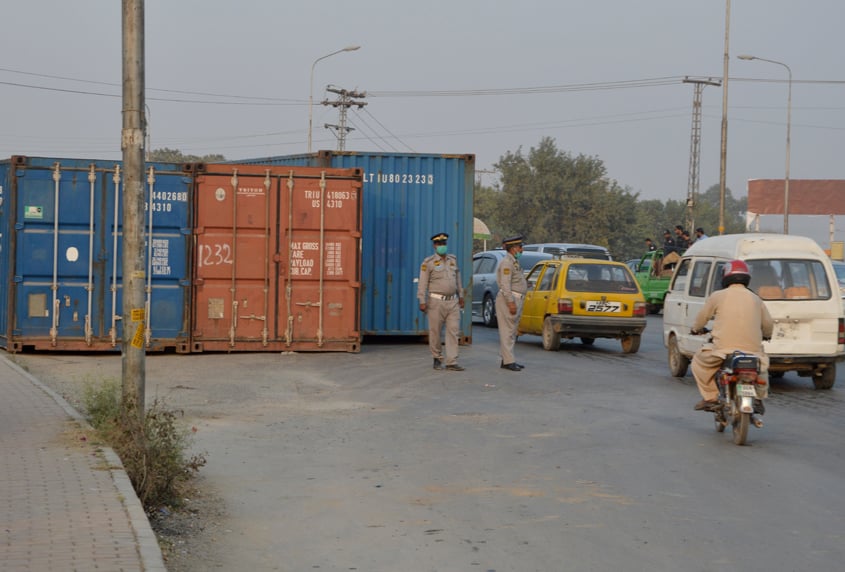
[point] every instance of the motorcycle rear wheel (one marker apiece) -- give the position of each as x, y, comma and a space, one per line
740, 428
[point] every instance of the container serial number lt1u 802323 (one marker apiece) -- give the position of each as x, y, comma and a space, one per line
403, 178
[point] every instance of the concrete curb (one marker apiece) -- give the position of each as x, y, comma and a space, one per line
148, 547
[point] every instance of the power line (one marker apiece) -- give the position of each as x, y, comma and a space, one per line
598, 86
411, 149
627, 84
119, 87
374, 131
275, 101
370, 139
167, 99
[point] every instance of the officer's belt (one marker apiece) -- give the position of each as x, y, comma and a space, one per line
442, 296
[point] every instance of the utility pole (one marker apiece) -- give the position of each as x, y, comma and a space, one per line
345, 100
695, 147
479, 172
723, 154
132, 145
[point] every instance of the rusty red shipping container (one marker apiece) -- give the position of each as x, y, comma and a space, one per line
277, 258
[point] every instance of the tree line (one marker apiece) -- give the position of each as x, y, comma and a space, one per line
550, 195
166, 155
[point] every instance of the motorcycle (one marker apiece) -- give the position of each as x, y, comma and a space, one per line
738, 406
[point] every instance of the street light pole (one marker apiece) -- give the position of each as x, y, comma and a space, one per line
311, 93
723, 155
788, 129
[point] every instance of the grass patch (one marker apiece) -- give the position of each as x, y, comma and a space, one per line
155, 452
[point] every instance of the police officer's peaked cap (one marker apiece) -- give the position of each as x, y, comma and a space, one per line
440, 237
514, 240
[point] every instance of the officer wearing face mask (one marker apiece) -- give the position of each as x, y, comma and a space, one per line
512, 289
441, 298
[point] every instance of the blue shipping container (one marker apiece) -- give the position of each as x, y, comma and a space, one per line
407, 198
60, 254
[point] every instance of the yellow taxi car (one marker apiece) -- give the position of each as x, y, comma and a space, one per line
586, 299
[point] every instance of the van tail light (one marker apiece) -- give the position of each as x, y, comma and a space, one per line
564, 306
841, 338
639, 309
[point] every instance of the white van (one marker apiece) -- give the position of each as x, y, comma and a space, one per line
796, 281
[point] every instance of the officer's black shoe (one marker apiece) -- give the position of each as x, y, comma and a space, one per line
438, 364
511, 366
519, 365
454, 367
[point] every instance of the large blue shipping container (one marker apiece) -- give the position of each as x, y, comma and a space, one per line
60, 254
407, 198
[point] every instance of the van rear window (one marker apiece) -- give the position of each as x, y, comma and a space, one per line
789, 279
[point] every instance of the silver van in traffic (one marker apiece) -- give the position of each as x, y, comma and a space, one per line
558, 249
795, 279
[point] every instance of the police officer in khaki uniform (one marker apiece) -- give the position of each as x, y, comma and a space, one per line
512, 289
441, 298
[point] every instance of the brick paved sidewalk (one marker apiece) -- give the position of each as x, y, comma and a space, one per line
64, 503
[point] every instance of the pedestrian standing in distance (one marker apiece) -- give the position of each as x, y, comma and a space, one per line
668, 242
649, 245
512, 289
441, 298
681, 243
699, 234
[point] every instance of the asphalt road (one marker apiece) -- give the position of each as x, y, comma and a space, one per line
589, 459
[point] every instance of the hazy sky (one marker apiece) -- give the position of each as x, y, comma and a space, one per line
233, 78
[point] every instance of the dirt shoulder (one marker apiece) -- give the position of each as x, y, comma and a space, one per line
187, 534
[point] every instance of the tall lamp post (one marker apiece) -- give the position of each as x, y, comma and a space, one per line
311, 93
723, 155
788, 128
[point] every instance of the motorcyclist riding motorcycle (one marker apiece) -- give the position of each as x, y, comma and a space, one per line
740, 322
